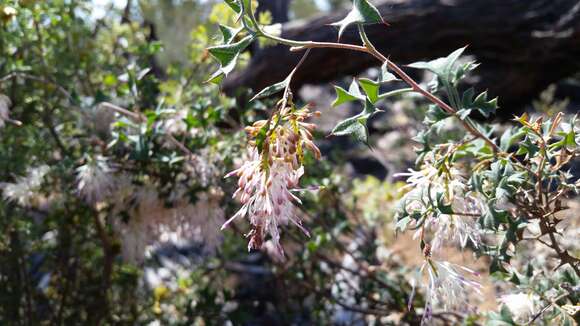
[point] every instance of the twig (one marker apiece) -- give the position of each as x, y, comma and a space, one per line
140, 118
28, 76
552, 302
370, 49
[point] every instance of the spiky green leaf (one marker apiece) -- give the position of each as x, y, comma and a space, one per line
386, 76
363, 13
356, 126
480, 103
227, 55
271, 90
235, 5
444, 68
371, 89
344, 96
229, 33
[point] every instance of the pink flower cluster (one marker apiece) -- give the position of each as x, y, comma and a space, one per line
266, 181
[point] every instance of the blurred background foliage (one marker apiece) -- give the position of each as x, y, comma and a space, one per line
121, 143
113, 189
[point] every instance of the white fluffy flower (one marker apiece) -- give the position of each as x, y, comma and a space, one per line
429, 176
458, 228
521, 305
95, 180
448, 229
25, 189
447, 288
454, 229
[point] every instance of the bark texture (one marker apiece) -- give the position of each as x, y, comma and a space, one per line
522, 45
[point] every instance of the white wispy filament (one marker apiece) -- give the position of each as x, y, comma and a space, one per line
458, 228
25, 189
95, 180
447, 287
521, 305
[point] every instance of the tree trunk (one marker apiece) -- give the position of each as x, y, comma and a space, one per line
522, 45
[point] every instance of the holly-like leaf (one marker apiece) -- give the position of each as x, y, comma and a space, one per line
492, 218
271, 90
227, 55
435, 114
442, 67
235, 5
463, 113
227, 52
344, 96
356, 126
240, 7
229, 33
508, 138
362, 13
386, 76
355, 90
462, 70
480, 103
371, 89
570, 141
528, 147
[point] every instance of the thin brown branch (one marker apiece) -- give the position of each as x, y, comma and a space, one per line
24, 75
551, 303
370, 49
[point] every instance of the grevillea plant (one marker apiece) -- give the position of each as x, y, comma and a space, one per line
478, 187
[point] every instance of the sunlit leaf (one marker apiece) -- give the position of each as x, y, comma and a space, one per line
271, 90
442, 67
227, 55
362, 13
344, 96
371, 89
229, 33
235, 5
386, 76
356, 126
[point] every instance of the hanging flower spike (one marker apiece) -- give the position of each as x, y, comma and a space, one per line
266, 181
